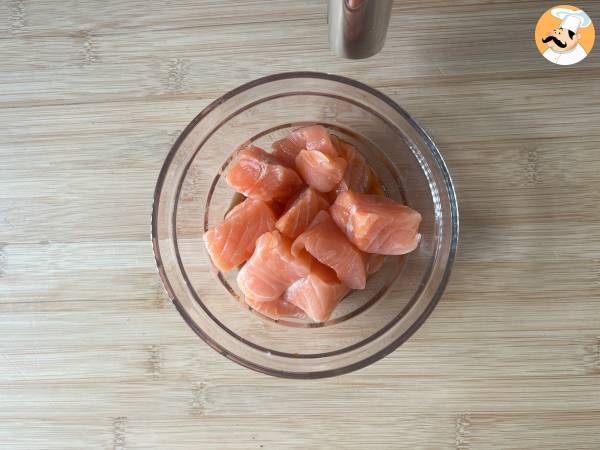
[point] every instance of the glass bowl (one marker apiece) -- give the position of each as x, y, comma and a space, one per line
191, 196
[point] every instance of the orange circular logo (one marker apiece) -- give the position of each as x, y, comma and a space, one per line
565, 35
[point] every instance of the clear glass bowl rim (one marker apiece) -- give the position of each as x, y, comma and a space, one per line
454, 224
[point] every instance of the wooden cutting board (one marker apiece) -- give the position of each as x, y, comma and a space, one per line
94, 356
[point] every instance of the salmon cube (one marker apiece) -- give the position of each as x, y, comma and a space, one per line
377, 224
358, 177
358, 174
286, 150
272, 268
231, 242
258, 174
301, 212
314, 137
326, 243
319, 170
318, 293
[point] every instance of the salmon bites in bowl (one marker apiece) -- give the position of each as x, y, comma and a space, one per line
319, 259
304, 225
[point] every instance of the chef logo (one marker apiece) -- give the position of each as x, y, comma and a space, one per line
564, 35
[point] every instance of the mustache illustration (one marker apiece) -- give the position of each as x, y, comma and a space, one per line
555, 40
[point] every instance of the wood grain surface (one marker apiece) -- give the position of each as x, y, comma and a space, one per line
94, 356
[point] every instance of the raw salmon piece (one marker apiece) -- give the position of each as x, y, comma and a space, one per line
324, 240
276, 309
232, 241
358, 174
260, 175
377, 224
272, 268
314, 137
286, 150
320, 171
301, 212
318, 293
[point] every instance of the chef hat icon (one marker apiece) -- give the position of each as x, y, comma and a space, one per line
571, 20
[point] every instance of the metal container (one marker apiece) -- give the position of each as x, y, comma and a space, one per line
357, 28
